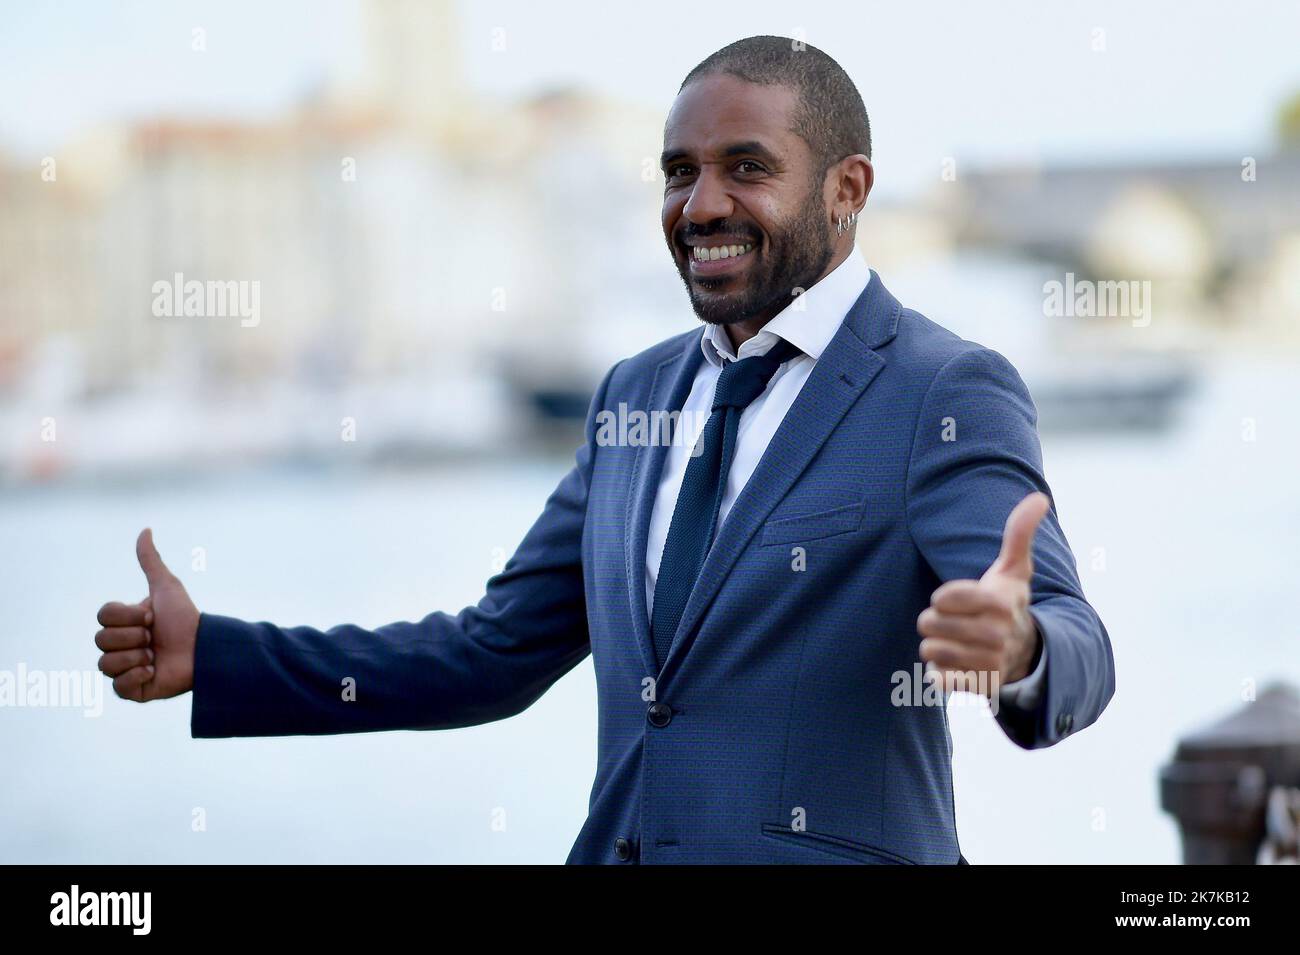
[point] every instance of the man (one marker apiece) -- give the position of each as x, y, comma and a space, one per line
751, 598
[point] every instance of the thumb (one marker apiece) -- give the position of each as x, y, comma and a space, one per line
1016, 557
155, 571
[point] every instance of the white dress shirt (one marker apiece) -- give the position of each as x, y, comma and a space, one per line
809, 323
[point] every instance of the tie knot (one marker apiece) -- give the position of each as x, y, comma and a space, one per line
744, 380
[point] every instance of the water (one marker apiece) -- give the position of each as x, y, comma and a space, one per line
1198, 526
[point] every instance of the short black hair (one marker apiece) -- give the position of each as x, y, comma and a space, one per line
831, 117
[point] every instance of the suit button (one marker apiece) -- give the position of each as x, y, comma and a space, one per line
1064, 722
622, 849
659, 714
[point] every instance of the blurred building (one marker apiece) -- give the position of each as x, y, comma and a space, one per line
430, 258
402, 232
1220, 241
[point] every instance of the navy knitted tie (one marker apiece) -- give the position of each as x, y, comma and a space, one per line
695, 517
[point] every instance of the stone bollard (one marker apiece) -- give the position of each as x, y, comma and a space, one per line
1219, 781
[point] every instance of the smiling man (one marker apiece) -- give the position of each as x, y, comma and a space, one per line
866, 495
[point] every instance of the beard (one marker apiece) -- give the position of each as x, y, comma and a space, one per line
798, 252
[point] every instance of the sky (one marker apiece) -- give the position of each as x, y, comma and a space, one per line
1011, 82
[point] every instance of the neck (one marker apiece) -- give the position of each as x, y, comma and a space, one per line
745, 329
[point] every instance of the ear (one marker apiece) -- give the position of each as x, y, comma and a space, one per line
851, 180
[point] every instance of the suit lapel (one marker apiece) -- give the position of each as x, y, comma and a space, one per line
672, 383
841, 375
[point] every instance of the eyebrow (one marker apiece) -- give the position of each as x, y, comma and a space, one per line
749, 148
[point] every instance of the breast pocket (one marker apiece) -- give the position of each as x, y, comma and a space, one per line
814, 526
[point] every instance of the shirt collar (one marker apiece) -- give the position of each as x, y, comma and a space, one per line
809, 322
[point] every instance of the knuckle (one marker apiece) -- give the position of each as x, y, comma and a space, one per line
127, 685
1002, 608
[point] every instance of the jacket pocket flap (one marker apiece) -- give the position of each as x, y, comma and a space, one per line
807, 527
846, 848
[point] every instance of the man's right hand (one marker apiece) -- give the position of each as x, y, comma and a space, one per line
149, 646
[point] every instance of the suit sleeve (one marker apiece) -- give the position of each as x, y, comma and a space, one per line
976, 455
490, 661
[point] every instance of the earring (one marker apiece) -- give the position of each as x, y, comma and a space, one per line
839, 225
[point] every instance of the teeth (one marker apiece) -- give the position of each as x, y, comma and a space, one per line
702, 254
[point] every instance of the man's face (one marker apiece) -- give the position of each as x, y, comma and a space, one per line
736, 176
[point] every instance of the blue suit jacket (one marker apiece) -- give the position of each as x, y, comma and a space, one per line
776, 737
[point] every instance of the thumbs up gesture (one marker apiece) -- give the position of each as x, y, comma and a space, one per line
983, 626
149, 646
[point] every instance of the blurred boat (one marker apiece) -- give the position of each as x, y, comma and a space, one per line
1083, 375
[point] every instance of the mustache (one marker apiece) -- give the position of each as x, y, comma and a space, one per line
696, 232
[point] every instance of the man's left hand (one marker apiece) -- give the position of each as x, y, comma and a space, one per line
983, 627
